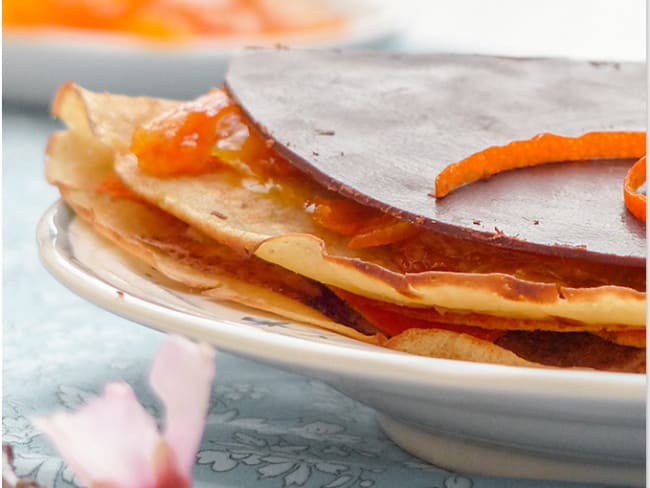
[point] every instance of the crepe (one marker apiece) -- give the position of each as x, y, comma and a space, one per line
251, 218
78, 162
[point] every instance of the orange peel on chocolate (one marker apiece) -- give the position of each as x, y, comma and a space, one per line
542, 149
634, 201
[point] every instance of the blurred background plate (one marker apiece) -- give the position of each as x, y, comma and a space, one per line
37, 62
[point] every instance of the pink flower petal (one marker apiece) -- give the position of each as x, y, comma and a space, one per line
182, 376
165, 464
110, 440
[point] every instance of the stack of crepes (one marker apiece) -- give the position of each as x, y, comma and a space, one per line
307, 187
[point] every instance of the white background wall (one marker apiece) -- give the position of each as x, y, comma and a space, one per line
595, 29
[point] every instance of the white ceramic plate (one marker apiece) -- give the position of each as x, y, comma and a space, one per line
485, 419
37, 63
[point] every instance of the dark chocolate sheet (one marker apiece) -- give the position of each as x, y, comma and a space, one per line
379, 127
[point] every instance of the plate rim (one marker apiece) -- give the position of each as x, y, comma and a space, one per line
416, 371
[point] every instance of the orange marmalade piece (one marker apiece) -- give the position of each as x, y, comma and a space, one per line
241, 146
382, 230
211, 131
367, 226
201, 135
180, 142
340, 215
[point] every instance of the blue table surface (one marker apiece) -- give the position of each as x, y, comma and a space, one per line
266, 427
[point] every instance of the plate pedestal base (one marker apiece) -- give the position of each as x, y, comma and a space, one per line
481, 458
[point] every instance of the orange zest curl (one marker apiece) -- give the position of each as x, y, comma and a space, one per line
634, 201
541, 149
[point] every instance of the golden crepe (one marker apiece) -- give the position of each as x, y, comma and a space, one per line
78, 162
248, 236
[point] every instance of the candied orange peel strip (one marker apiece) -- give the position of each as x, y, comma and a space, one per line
366, 226
339, 215
381, 231
541, 149
634, 201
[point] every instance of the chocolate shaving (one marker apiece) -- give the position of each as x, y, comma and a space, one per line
219, 215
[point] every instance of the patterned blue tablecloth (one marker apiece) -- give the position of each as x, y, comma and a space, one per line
266, 427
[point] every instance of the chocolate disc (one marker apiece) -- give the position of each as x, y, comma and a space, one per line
379, 128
